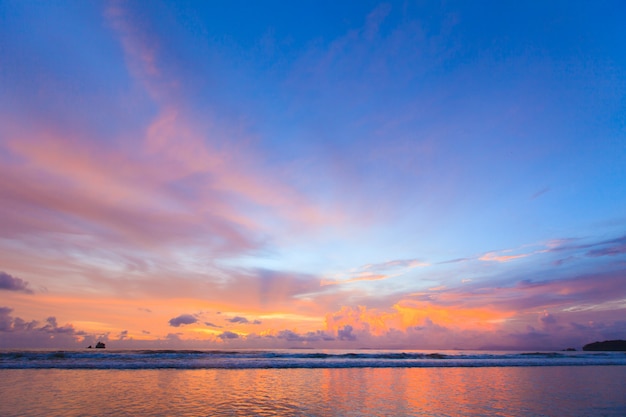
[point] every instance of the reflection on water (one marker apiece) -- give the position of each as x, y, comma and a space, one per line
513, 391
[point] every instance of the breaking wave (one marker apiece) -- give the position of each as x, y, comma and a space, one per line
259, 359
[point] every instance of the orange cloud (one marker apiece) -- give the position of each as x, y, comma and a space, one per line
494, 257
410, 314
361, 277
375, 272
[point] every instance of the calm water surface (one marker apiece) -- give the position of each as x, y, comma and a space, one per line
502, 391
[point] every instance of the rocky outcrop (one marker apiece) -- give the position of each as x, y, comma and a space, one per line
607, 346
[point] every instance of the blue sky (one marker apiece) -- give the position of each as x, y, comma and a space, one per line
416, 174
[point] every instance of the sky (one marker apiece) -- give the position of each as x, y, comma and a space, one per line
312, 174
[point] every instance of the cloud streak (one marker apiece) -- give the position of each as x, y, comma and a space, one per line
375, 272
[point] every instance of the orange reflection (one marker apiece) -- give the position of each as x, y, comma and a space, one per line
507, 391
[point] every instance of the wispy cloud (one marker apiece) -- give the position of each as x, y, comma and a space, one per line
499, 257
374, 272
363, 276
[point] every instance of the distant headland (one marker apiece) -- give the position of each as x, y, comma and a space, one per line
607, 345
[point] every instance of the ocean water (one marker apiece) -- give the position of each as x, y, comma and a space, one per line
311, 383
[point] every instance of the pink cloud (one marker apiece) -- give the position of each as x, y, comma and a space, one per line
364, 276
177, 190
141, 50
495, 257
185, 147
90, 191
374, 272
529, 295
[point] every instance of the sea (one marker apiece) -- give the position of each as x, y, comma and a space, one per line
103, 382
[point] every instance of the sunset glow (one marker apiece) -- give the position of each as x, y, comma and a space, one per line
310, 174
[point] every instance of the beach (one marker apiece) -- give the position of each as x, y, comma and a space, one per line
440, 391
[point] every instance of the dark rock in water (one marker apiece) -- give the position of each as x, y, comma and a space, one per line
100, 345
89, 347
607, 346
569, 350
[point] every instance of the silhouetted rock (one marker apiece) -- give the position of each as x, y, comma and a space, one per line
569, 350
100, 345
607, 346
